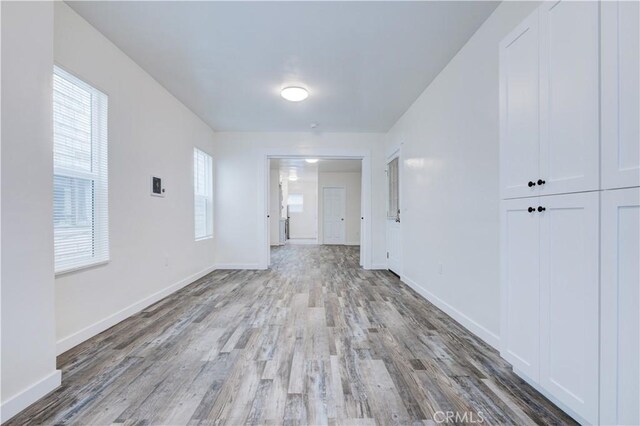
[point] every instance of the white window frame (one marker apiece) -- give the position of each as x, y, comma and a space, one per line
393, 189
98, 175
206, 195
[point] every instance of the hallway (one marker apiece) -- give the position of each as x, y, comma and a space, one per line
315, 340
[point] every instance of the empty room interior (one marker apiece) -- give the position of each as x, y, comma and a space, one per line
320, 212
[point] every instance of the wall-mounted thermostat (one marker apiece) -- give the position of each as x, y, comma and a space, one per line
157, 190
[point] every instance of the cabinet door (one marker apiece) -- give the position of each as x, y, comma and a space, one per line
520, 240
519, 109
620, 304
620, 94
569, 295
569, 97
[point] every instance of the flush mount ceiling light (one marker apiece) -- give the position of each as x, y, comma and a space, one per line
294, 93
311, 160
293, 178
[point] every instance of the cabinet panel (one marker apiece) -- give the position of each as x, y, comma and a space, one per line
620, 94
519, 109
569, 301
520, 285
569, 97
620, 306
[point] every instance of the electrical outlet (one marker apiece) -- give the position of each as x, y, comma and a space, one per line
440, 268
166, 260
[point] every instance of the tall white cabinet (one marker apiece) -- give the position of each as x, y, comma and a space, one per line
570, 183
620, 294
620, 94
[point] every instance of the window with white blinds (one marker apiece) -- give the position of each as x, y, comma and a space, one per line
203, 194
80, 181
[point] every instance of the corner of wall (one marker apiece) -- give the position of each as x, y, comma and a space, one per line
36, 391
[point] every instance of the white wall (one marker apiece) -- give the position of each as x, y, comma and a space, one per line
351, 181
304, 224
450, 193
28, 334
153, 251
240, 225
274, 209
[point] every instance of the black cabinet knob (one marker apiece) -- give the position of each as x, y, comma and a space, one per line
541, 182
541, 209
531, 210
531, 183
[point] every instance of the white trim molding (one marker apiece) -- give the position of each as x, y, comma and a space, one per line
316, 152
551, 398
238, 266
86, 333
480, 331
36, 391
379, 266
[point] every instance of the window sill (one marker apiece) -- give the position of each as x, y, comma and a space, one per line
81, 268
210, 237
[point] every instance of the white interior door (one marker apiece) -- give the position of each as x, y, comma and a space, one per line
394, 249
620, 306
333, 225
519, 110
569, 300
569, 97
520, 245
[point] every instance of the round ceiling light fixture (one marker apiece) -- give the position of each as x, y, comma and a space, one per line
293, 178
294, 93
311, 160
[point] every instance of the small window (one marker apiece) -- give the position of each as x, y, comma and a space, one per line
296, 203
393, 211
80, 181
203, 194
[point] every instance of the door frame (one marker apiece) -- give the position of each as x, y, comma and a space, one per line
366, 247
394, 153
344, 207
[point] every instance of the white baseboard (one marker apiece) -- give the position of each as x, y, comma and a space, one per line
251, 266
551, 398
78, 337
488, 336
378, 266
22, 400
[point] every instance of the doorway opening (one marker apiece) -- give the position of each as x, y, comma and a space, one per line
393, 225
317, 201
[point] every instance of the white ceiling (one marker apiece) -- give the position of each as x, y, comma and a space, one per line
304, 170
364, 63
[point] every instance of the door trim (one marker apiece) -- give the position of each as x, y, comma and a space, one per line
394, 153
366, 246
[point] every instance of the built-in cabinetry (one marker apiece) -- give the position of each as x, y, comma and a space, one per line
549, 102
570, 140
620, 307
549, 332
620, 68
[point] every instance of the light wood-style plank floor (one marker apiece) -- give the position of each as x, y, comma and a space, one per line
314, 340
